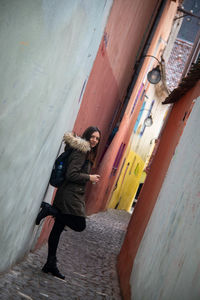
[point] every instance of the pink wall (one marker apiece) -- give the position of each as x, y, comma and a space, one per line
100, 98
148, 196
127, 28
101, 192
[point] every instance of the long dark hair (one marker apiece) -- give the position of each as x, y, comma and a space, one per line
87, 135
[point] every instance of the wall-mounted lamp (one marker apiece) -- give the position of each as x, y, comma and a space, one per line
148, 121
154, 76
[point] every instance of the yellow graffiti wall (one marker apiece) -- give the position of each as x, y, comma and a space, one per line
128, 182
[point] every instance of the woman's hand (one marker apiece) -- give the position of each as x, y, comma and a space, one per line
94, 178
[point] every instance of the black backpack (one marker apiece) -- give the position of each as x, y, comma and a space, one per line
57, 177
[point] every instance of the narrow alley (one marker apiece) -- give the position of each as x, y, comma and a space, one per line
87, 259
121, 79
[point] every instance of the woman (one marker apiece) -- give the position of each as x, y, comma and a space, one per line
69, 205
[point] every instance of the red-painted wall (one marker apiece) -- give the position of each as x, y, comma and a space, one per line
151, 188
100, 98
99, 195
127, 28
126, 31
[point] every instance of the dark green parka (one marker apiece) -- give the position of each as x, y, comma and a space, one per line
69, 197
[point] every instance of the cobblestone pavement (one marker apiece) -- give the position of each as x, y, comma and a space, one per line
87, 259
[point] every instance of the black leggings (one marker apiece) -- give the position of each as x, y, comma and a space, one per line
76, 223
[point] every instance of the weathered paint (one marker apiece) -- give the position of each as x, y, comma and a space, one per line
142, 144
127, 28
148, 196
98, 102
47, 51
129, 118
144, 138
127, 184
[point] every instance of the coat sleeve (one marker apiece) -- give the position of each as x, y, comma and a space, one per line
74, 168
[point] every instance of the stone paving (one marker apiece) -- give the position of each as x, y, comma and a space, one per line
87, 259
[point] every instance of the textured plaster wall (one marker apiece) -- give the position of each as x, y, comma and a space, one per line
167, 265
47, 51
126, 30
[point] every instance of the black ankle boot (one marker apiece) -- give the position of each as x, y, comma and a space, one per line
46, 210
51, 267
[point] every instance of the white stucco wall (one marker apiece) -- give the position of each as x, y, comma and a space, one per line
167, 265
47, 51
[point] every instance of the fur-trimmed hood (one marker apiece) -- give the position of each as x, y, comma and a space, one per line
76, 142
